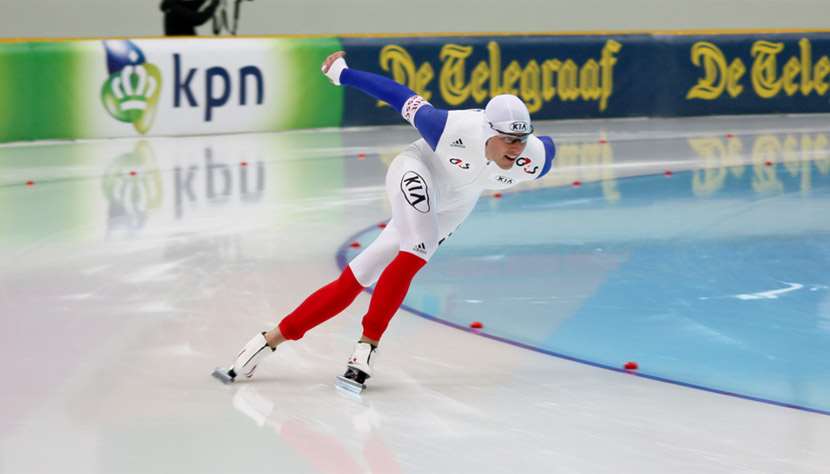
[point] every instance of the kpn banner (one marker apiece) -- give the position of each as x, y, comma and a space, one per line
118, 88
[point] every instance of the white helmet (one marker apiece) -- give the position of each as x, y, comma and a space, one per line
508, 115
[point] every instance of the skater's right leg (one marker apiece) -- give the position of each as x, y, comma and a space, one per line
320, 306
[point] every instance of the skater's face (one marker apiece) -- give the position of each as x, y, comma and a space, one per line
504, 149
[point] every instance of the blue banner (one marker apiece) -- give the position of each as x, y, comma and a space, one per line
595, 76
740, 74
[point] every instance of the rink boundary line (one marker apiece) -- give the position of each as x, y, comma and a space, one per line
440, 34
341, 261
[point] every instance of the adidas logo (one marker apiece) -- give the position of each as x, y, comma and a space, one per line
420, 248
458, 144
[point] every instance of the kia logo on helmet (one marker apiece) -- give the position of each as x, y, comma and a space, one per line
518, 127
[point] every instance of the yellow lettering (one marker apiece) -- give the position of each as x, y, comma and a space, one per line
736, 70
607, 63
549, 68
791, 69
568, 88
536, 82
452, 80
806, 64
495, 68
397, 60
589, 81
765, 68
711, 85
531, 91
820, 71
511, 76
423, 77
481, 74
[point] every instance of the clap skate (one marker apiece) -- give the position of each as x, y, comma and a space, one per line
246, 361
358, 369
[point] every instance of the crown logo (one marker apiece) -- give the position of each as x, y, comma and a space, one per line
131, 92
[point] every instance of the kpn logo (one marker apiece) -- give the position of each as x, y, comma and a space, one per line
132, 90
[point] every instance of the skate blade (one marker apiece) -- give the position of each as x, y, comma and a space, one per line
349, 385
222, 375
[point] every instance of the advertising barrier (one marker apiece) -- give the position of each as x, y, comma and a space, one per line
118, 88
192, 86
567, 77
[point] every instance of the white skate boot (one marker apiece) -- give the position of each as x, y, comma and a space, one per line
358, 369
251, 355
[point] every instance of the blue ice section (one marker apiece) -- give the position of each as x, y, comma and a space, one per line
724, 289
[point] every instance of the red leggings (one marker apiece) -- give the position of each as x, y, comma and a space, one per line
333, 298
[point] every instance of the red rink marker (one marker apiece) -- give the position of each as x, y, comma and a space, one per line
243, 164
361, 156
381, 225
133, 173
355, 245
730, 135
602, 141
768, 163
631, 366
497, 195
576, 184
667, 174
30, 183
476, 325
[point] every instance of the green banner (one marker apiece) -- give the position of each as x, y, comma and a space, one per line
125, 88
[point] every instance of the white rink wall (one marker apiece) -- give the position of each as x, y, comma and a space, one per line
92, 18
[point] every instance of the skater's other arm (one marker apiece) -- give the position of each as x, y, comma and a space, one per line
428, 120
550, 154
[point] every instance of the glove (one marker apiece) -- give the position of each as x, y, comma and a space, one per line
334, 70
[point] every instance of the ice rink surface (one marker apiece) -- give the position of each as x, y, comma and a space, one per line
130, 268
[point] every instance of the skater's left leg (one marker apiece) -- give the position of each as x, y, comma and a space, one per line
389, 293
395, 280
411, 193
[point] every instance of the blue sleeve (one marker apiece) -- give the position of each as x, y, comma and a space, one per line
377, 86
429, 121
550, 153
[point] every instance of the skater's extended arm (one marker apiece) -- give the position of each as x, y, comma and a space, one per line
428, 120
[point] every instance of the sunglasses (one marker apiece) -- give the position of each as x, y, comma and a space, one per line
511, 139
